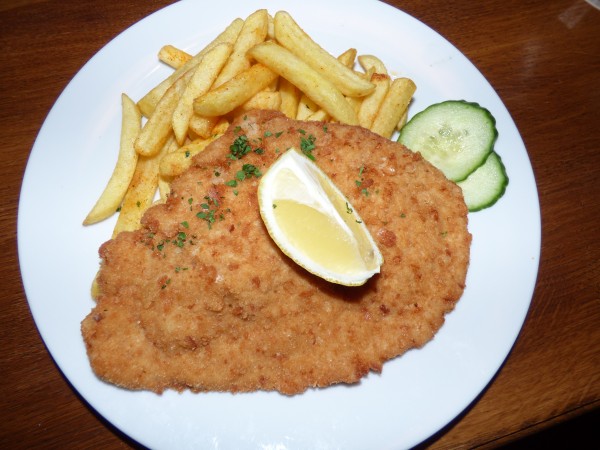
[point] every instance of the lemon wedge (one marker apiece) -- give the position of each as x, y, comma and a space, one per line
313, 223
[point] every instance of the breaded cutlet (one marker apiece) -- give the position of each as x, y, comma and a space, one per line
201, 298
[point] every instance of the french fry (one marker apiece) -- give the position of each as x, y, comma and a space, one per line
157, 128
355, 103
289, 34
393, 106
370, 104
253, 32
290, 97
308, 80
309, 110
142, 189
203, 126
117, 185
347, 58
262, 62
203, 78
149, 101
164, 183
271, 28
95, 289
164, 188
306, 108
221, 126
234, 92
402, 120
261, 100
319, 116
175, 163
173, 57
371, 61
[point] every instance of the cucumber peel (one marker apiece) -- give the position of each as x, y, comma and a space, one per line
482, 188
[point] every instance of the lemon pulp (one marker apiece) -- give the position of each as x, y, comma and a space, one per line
312, 222
318, 236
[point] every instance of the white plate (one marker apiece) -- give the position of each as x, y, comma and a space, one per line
418, 393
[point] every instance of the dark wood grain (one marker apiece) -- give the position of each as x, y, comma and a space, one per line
543, 59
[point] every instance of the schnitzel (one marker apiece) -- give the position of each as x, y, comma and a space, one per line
201, 298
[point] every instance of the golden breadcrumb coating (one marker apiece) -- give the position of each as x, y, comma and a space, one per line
201, 298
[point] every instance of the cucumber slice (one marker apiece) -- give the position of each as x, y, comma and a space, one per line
486, 185
455, 136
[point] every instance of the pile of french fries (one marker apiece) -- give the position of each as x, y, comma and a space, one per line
262, 62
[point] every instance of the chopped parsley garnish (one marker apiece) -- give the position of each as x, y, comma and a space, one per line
185, 224
208, 215
181, 238
308, 145
239, 148
251, 170
360, 181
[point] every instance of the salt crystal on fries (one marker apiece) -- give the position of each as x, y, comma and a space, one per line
289, 34
117, 185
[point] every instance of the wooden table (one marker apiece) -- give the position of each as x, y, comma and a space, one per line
542, 57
